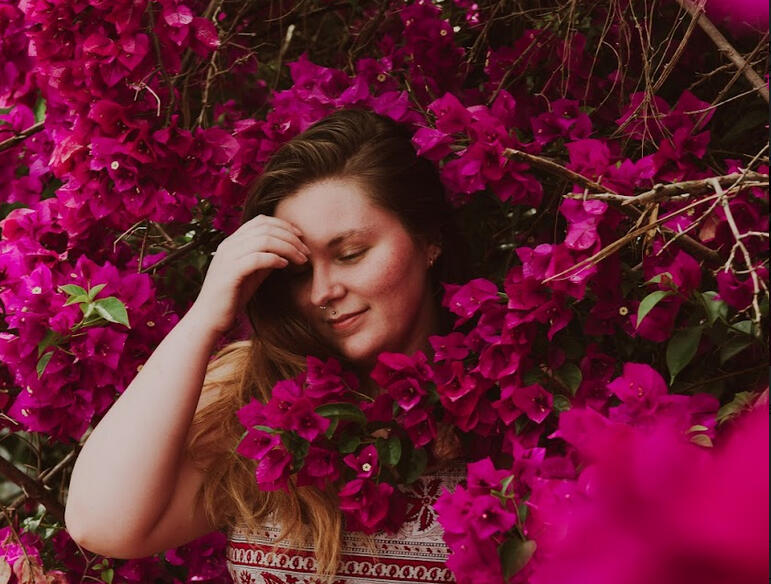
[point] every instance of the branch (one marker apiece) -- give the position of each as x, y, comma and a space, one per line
631, 236
34, 488
686, 243
45, 478
696, 187
552, 167
725, 47
21, 136
745, 255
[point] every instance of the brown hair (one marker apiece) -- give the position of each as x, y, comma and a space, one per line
378, 153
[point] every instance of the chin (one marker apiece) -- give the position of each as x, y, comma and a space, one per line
361, 351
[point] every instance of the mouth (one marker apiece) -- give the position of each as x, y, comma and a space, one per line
345, 321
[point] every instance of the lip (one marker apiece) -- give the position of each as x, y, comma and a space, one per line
346, 321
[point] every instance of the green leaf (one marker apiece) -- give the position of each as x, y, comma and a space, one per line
697, 428
716, 308
743, 326
515, 554
416, 466
681, 349
665, 277
40, 112
74, 290
535, 375
348, 443
561, 403
702, 440
332, 428
389, 450
76, 300
87, 308
267, 429
733, 347
95, 290
741, 401
112, 310
107, 575
343, 411
570, 375
50, 339
298, 448
42, 363
647, 303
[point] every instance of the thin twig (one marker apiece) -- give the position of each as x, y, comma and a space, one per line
697, 11
34, 488
552, 167
44, 478
21, 136
622, 241
695, 187
745, 255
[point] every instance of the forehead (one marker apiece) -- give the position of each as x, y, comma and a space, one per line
325, 209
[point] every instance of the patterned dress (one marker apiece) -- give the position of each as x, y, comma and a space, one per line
416, 554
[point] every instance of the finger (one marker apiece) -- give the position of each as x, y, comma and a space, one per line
273, 244
262, 260
279, 233
271, 220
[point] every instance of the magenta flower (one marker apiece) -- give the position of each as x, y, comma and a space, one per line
403, 377
325, 380
365, 463
320, 468
365, 504
533, 400
736, 293
432, 144
419, 425
640, 388
469, 298
256, 444
450, 347
302, 418
273, 469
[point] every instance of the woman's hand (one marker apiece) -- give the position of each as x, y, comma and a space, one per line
241, 263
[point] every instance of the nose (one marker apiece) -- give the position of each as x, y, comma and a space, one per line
325, 288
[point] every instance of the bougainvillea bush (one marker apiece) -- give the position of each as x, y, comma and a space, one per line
609, 165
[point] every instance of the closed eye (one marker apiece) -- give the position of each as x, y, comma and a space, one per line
352, 256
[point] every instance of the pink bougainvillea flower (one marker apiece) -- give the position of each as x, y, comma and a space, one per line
365, 504
302, 418
365, 463
273, 469
449, 347
640, 388
735, 292
419, 425
466, 300
320, 468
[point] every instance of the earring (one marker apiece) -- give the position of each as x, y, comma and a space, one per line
432, 259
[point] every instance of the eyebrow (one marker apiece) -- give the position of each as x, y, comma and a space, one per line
340, 237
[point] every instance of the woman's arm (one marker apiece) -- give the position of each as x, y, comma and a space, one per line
133, 489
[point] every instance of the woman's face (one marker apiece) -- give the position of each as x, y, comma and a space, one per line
364, 267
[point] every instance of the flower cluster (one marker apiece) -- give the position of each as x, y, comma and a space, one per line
318, 429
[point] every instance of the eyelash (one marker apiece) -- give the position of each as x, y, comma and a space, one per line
304, 272
352, 256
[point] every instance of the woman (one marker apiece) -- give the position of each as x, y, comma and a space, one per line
345, 239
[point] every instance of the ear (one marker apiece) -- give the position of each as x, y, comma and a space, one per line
433, 251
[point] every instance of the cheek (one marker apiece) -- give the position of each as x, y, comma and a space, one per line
396, 278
